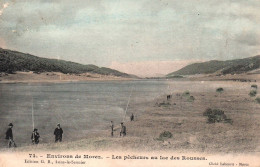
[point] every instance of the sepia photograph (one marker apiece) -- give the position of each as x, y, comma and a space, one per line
131, 83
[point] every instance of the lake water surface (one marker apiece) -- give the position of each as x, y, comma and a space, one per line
79, 107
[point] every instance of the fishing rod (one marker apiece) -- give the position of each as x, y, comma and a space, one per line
128, 103
32, 115
33, 120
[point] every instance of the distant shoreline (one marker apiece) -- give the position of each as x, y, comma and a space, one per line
56, 77
57, 81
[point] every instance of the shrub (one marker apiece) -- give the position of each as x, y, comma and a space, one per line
188, 96
252, 93
257, 100
219, 90
191, 98
186, 93
165, 135
254, 86
216, 115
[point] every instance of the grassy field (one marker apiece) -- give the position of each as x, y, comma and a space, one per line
183, 117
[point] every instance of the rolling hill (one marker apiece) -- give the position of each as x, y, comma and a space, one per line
13, 61
236, 66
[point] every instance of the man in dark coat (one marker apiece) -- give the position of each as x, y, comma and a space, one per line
123, 130
112, 128
9, 136
58, 133
35, 136
132, 117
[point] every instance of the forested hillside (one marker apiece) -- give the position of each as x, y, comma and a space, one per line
12, 61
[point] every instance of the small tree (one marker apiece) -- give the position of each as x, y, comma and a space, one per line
219, 90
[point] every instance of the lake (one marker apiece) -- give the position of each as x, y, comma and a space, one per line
79, 107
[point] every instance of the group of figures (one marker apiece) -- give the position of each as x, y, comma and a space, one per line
57, 132
123, 127
34, 137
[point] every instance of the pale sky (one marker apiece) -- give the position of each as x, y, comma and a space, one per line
156, 36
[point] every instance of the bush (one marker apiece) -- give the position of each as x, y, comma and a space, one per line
254, 86
219, 90
216, 115
191, 98
165, 135
252, 93
216, 118
186, 93
257, 100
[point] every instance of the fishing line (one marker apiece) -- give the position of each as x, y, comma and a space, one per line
33, 119
128, 103
32, 115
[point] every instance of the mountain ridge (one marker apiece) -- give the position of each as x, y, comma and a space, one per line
13, 61
235, 66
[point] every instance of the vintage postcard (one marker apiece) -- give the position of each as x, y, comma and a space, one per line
90, 83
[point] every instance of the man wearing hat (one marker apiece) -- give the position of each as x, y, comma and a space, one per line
58, 133
35, 136
9, 136
123, 130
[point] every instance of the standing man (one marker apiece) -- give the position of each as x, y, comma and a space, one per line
112, 128
132, 117
58, 133
35, 136
9, 136
123, 130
